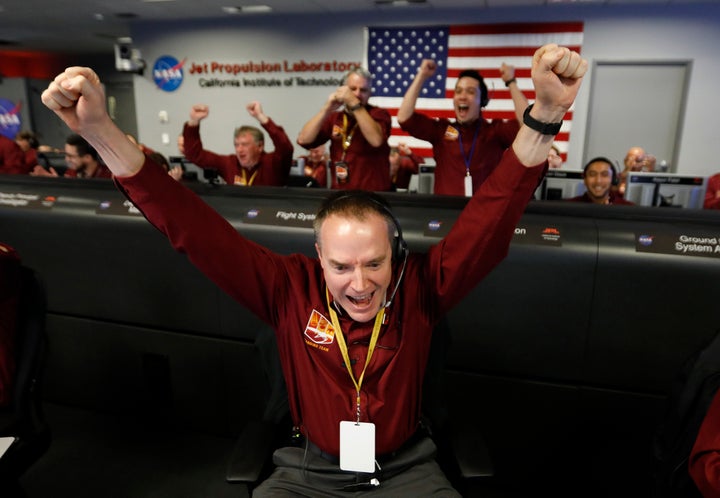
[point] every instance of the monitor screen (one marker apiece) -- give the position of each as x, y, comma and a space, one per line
191, 172
666, 190
423, 182
560, 184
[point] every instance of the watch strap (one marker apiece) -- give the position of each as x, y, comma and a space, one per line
539, 126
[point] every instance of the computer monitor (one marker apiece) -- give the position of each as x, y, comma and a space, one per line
423, 182
666, 190
191, 171
298, 167
560, 184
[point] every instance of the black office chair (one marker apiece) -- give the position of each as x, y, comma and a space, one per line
23, 419
462, 451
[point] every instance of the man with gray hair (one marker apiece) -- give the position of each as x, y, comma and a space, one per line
358, 134
250, 165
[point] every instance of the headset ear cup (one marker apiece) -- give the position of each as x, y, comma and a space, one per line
399, 248
615, 180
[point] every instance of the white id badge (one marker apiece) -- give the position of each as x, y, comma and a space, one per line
468, 186
357, 446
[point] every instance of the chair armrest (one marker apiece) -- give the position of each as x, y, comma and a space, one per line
471, 451
251, 452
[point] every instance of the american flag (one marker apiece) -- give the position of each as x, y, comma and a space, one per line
393, 55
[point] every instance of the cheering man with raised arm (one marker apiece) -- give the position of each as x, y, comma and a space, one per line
354, 323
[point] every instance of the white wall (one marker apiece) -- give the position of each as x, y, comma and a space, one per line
639, 33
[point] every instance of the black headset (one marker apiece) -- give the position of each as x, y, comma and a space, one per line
615, 179
398, 244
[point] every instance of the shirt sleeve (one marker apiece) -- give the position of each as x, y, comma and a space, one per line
205, 159
704, 464
480, 237
245, 270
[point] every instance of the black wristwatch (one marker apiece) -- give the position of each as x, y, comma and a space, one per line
544, 128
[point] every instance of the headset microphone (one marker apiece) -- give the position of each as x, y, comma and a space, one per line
402, 273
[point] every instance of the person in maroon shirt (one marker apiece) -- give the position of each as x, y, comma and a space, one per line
12, 158
250, 165
403, 164
28, 143
467, 150
712, 194
316, 164
9, 304
354, 324
599, 175
358, 134
704, 461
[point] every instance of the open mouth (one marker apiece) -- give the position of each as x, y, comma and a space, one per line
361, 301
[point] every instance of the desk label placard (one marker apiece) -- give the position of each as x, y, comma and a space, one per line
27, 201
118, 208
538, 234
278, 217
678, 244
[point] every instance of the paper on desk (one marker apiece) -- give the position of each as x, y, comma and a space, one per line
5, 443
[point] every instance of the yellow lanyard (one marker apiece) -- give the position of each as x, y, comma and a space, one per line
245, 181
344, 350
347, 137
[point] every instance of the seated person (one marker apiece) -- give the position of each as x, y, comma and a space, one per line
598, 176
554, 158
353, 373
403, 164
704, 462
636, 159
316, 164
9, 282
12, 158
82, 160
712, 194
28, 142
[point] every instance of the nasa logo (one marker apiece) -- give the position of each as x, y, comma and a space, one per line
10, 123
253, 213
434, 225
168, 73
645, 240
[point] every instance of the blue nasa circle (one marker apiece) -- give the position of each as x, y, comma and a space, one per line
168, 73
10, 119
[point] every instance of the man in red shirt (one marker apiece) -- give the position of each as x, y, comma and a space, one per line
250, 165
353, 324
467, 150
12, 158
599, 174
712, 194
358, 134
